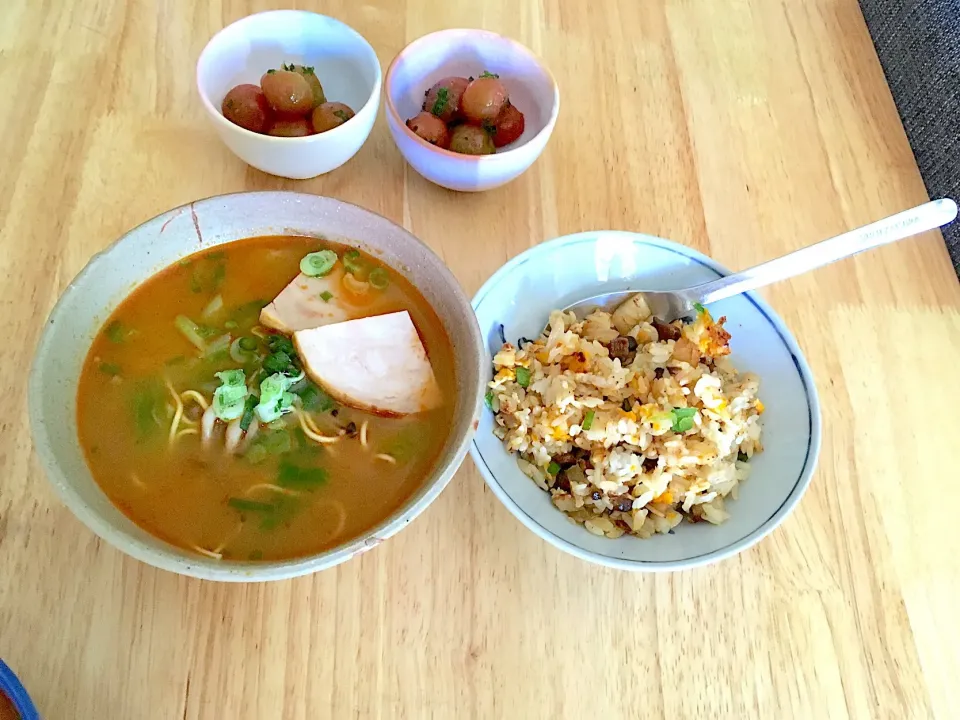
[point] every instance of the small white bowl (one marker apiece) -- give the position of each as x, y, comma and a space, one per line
468, 53
347, 67
517, 300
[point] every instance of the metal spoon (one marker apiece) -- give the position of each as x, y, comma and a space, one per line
674, 304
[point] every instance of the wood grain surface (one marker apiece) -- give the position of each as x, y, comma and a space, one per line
744, 129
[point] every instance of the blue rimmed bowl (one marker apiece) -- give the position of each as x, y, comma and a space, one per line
520, 296
11, 687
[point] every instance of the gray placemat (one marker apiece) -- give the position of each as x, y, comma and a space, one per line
918, 42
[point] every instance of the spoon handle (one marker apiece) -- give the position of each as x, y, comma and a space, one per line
925, 217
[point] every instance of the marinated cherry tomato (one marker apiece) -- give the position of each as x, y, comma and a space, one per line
430, 128
330, 115
310, 75
471, 140
443, 99
483, 99
247, 106
509, 126
287, 91
296, 127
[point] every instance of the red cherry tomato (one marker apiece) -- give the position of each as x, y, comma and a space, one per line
247, 106
287, 91
483, 100
509, 126
295, 127
443, 99
430, 128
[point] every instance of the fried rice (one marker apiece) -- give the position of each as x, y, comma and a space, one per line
629, 423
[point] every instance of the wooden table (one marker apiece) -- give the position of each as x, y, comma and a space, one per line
744, 129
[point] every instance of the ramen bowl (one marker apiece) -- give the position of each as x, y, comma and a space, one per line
516, 303
110, 278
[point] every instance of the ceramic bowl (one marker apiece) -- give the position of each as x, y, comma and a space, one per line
112, 274
347, 67
553, 275
468, 53
11, 688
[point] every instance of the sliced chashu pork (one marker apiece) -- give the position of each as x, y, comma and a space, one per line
375, 363
300, 305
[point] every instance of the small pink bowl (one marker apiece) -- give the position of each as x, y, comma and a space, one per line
469, 52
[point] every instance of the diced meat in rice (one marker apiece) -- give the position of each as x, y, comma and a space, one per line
630, 424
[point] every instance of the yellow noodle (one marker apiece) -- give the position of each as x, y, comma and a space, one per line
208, 553
218, 550
259, 332
315, 436
386, 458
363, 433
341, 517
178, 413
194, 395
187, 431
270, 486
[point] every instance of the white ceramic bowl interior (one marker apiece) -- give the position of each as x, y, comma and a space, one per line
112, 274
468, 53
553, 275
345, 63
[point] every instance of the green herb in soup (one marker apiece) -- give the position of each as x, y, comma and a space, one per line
202, 421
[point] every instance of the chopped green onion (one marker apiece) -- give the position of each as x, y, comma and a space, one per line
488, 399
255, 454
146, 400
276, 442
116, 332
699, 308
553, 468
220, 345
212, 308
378, 278
238, 354
682, 419
230, 398
245, 505
281, 343
208, 274
278, 362
488, 74
326, 296
588, 419
742, 456
316, 400
110, 368
249, 406
523, 377
248, 343
318, 264
275, 400
291, 475
352, 262
231, 325
189, 329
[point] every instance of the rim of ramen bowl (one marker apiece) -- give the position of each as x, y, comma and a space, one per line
803, 369
180, 561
